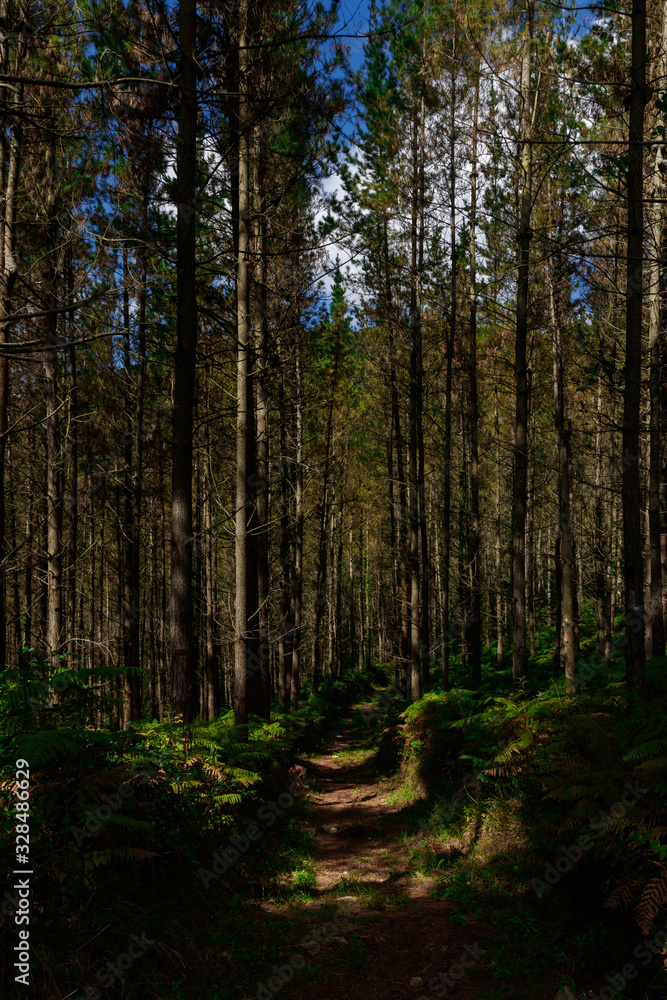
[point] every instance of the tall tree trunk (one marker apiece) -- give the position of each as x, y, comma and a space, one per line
520, 486
298, 535
27, 628
92, 579
135, 596
247, 670
564, 555
331, 562
663, 469
599, 537
153, 618
101, 594
133, 439
351, 611
425, 568
52, 423
474, 637
321, 569
401, 608
451, 341
11, 142
185, 363
655, 618
162, 625
338, 621
211, 666
464, 605
17, 656
284, 650
530, 522
362, 602
262, 424
609, 465
369, 608
498, 533
631, 492
415, 407
73, 473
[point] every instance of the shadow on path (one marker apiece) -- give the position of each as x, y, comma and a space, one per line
398, 933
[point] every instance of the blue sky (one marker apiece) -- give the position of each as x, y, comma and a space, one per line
353, 20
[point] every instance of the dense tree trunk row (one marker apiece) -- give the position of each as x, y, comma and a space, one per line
434, 477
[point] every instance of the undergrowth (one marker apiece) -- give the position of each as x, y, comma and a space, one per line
548, 811
144, 836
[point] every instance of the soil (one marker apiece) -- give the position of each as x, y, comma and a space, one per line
397, 938
404, 936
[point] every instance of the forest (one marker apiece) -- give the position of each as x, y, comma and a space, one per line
333, 499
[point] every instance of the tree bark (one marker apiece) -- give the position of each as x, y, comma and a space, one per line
451, 340
498, 552
321, 570
262, 425
52, 422
599, 534
415, 406
474, 638
401, 608
211, 666
425, 567
631, 493
284, 647
185, 362
565, 576
655, 618
298, 536
73, 474
520, 486
11, 143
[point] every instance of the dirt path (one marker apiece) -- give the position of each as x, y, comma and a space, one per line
397, 934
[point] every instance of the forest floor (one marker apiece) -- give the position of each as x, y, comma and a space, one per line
382, 928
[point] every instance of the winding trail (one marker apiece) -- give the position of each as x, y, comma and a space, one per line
398, 933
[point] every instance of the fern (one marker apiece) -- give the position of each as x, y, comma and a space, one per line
649, 749
653, 899
122, 854
47, 747
624, 893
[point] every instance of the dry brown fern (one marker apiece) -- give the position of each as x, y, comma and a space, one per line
625, 892
653, 899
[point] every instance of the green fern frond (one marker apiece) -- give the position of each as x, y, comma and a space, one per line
648, 749
123, 854
122, 819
